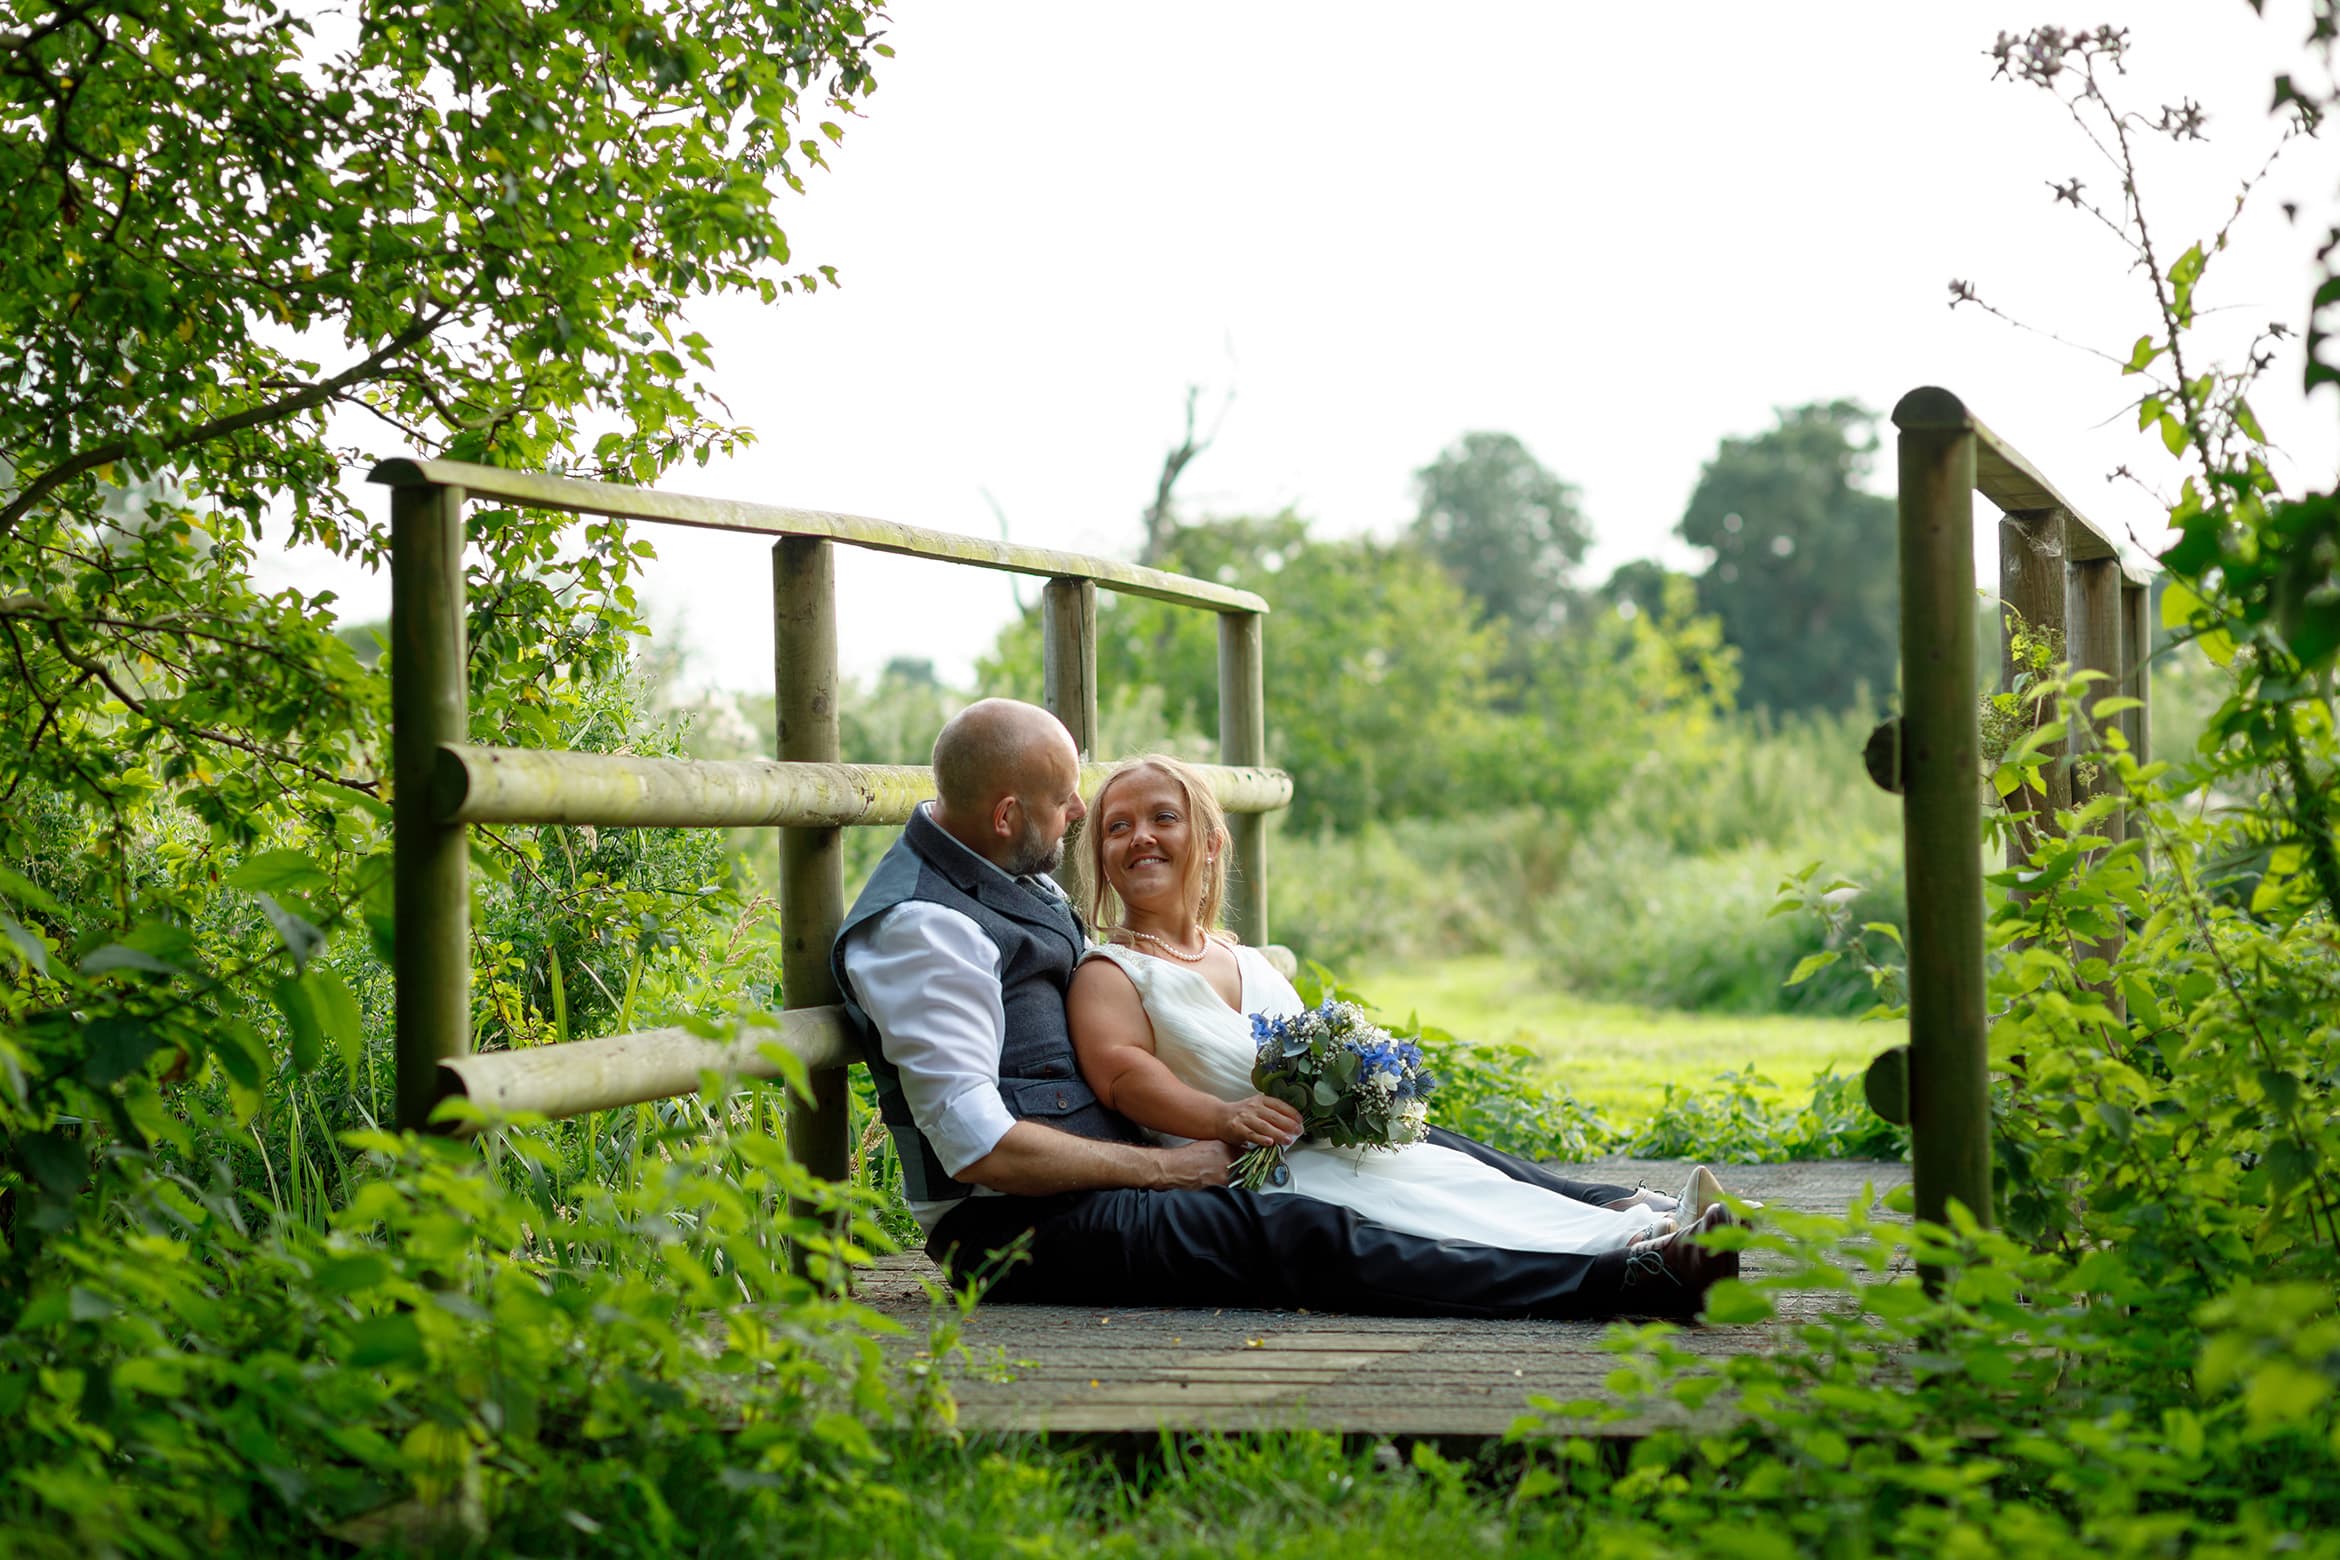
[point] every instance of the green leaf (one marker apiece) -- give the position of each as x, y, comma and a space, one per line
121, 956
2282, 1394
1732, 1302
1810, 965
294, 1001
337, 1015
29, 948
301, 937
385, 1340
2174, 437
57, 1160
116, 1047
26, 892
278, 872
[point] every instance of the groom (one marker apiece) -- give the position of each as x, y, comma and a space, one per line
954, 963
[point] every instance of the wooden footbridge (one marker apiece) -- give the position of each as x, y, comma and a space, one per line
1135, 1371
2059, 570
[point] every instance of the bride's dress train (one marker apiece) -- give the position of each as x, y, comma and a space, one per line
1422, 1189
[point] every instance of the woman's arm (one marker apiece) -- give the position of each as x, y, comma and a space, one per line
1114, 1041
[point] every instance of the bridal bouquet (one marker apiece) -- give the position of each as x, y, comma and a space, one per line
1354, 1084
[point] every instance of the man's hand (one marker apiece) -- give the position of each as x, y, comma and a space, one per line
1258, 1122
1193, 1165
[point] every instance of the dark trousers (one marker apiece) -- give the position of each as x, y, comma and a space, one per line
1223, 1247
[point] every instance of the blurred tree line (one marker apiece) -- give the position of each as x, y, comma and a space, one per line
1466, 665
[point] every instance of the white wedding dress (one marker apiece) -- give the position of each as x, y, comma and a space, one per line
1422, 1189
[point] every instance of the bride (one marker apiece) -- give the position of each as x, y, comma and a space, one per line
1159, 1017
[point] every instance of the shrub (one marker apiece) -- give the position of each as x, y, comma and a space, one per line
1637, 923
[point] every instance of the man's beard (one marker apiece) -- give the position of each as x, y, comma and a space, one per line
1034, 854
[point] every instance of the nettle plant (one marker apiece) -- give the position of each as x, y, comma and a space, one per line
2147, 1357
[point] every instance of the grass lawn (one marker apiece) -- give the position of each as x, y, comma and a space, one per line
1613, 1055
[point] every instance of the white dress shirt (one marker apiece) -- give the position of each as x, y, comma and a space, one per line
928, 977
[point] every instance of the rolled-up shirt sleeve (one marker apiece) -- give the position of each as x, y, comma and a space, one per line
928, 977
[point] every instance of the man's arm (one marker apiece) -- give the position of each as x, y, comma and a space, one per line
928, 978
1034, 1161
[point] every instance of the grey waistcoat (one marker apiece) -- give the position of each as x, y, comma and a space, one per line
1039, 942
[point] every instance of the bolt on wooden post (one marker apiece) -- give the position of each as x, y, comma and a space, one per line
428, 707
812, 867
1949, 1081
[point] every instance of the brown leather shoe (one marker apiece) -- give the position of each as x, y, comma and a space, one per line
1670, 1276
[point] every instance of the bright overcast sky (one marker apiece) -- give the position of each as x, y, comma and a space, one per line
1619, 232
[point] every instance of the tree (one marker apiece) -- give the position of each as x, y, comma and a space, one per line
1380, 683
242, 254
239, 258
1503, 527
1802, 573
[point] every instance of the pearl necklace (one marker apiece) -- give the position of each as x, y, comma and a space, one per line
1169, 947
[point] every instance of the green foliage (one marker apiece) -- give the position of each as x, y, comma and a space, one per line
232, 1312
542, 1350
1743, 1121
1635, 922
1802, 574
2148, 1359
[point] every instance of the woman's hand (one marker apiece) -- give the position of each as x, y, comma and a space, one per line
1259, 1122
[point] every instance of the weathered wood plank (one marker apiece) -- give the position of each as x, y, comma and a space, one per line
428, 699
557, 1081
2002, 474
1949, 1082
1069, 1370
2031, 587
1068, 675
572, 495
1243, 742
812, 862
624, 790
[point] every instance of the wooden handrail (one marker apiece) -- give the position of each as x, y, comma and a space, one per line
445, 784
575, 495
614, 1071
2003, 475
626, 791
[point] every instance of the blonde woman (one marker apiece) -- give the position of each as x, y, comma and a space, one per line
1159, 1013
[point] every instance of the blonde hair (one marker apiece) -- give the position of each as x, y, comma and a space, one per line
1206, 867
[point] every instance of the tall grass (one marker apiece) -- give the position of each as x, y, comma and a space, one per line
1661, 898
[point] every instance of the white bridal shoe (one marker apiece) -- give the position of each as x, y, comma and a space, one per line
1701, 1192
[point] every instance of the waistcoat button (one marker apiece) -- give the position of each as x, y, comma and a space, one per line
1062, 1099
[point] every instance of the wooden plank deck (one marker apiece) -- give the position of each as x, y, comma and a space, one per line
1063, 1369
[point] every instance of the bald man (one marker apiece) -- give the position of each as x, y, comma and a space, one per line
954, 963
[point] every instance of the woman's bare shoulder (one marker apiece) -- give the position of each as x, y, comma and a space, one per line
1105, 1005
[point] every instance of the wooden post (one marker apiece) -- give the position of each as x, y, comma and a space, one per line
428, 706
2031, 589
1068, 679
2137, 667
1243, 740
2137, 658
1949, 1081
812, 867
2093, 609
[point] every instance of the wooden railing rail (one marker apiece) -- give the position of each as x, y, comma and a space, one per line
444, 784
2059, 572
